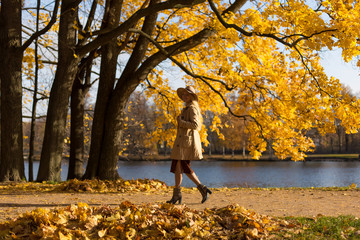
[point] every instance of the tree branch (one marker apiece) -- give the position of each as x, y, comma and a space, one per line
45, 29
106, 37
39, 117
310, 72
49, 62
281, 40
91, 15
250, 34
212, 79
167, 101
141, 45
32, 90
180, 47
182, 67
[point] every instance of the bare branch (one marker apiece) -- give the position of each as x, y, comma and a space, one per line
39, 117
45, 29
49, 62
91, 15
30, 34
32, 90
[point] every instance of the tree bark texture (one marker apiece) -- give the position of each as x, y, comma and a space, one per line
80, 89
12, 161
109, 56
51, 154
76, 160
35, 100
114, 114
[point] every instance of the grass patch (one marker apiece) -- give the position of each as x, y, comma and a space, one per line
321, 227
333, 156
351, 187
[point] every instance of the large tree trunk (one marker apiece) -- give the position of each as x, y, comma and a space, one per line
109, 56
12, 161
51, 154
106, 84
114, 115
114, 125
76, 160
80, 89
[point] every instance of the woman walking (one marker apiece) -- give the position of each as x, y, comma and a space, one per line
187, 145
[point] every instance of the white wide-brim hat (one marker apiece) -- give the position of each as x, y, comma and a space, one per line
188, 89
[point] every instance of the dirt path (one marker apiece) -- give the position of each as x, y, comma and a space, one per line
279, 203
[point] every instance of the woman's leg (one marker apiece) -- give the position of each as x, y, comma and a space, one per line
193, 178
202, 188
178, 179
178, 175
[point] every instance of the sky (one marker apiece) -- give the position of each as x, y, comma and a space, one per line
347, 73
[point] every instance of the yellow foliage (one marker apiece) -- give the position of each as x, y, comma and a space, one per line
281, 91
274, 72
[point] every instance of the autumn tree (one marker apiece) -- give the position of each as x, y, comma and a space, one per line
35, 97
109, 60
69, 55
12, 49
139, 125
12, 163
283, 90
265, 53
337, 141
80, 89
51, 154
268, 57
234, 133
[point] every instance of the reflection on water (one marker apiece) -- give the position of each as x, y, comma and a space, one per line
245, 173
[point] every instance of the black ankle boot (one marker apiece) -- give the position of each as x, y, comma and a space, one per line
176, 196
204, 192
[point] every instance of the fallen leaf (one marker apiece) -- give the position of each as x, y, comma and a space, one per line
102, 233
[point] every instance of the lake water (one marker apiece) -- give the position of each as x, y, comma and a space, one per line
244, 173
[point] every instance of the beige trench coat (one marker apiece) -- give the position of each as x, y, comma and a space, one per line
187, 145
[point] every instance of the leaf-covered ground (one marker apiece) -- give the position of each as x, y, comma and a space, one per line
130, 221
99, 186
136, 209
